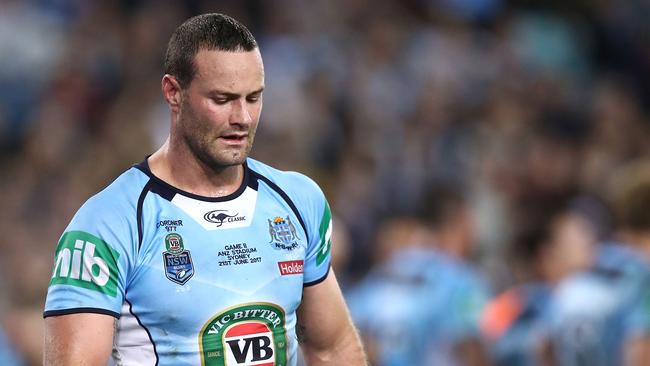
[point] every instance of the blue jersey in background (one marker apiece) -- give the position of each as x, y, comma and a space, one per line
8, 353
594, 312
417, 306
515, 324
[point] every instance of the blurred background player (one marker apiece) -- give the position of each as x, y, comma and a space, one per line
601, 316
8, 353
421, 304
556, 239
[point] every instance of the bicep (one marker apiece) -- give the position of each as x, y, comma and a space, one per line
637, 351
322, 313
328, 336
78, 339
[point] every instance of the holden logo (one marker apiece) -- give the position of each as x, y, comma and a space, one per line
220, 216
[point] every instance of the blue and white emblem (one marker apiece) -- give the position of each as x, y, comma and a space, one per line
283, 233
177, 261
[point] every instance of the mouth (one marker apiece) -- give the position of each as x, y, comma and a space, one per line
234, 137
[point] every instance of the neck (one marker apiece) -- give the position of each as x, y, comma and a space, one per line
183, 170
449, 242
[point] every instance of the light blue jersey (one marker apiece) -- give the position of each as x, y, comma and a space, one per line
521, 341
418, 306
196, 280
8, 353
593, 313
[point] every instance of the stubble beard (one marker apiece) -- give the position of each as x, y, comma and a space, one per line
202, 142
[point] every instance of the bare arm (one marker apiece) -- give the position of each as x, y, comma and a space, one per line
325, 329
637, 351
83, 339
472, 352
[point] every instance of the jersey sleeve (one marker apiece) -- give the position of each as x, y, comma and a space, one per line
637, 317
317, 216
92, 259
467, 303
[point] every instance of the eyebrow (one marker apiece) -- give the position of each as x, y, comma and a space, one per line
233, 95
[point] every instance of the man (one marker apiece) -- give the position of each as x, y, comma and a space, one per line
601, 316
200, 255
421, 303
553, 240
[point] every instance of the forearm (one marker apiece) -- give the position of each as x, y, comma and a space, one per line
346, 350
325, 330
637, 351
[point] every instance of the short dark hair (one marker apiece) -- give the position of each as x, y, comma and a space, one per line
533, 232
204, 32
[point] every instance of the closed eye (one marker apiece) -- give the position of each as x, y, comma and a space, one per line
254, 97
220, 101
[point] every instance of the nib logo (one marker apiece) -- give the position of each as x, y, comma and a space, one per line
84, 260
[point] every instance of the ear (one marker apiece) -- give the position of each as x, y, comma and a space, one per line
172, 92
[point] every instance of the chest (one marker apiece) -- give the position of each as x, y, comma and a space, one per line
200, 258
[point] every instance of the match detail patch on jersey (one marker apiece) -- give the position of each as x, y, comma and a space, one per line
84, 260
177, 261
236, 213
237, 254
283, 233
325, 232
247, 335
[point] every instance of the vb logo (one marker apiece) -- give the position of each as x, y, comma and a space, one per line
248, 335
84, 260
249, 344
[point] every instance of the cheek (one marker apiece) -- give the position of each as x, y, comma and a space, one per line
215, 113
258, 110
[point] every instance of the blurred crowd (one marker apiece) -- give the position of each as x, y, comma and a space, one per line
471, 151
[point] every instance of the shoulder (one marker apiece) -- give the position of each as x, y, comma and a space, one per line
296, 185
470, 277
118, 200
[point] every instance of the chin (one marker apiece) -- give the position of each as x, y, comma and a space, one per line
229, 160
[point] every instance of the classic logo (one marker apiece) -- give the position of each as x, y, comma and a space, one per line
247, 335
291, 267
177, 261
220, 216
84, 260
283, 233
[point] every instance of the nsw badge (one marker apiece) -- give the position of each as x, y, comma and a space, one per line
283, 233
178, 261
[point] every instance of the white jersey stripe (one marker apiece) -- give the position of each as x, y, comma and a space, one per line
131, 343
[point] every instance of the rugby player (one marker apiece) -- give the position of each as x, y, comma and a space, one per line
200, 255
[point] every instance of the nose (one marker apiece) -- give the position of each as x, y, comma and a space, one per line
241, 113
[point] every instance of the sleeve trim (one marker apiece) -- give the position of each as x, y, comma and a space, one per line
49, 313
316, 282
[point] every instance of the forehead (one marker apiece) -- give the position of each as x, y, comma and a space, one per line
229, 71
